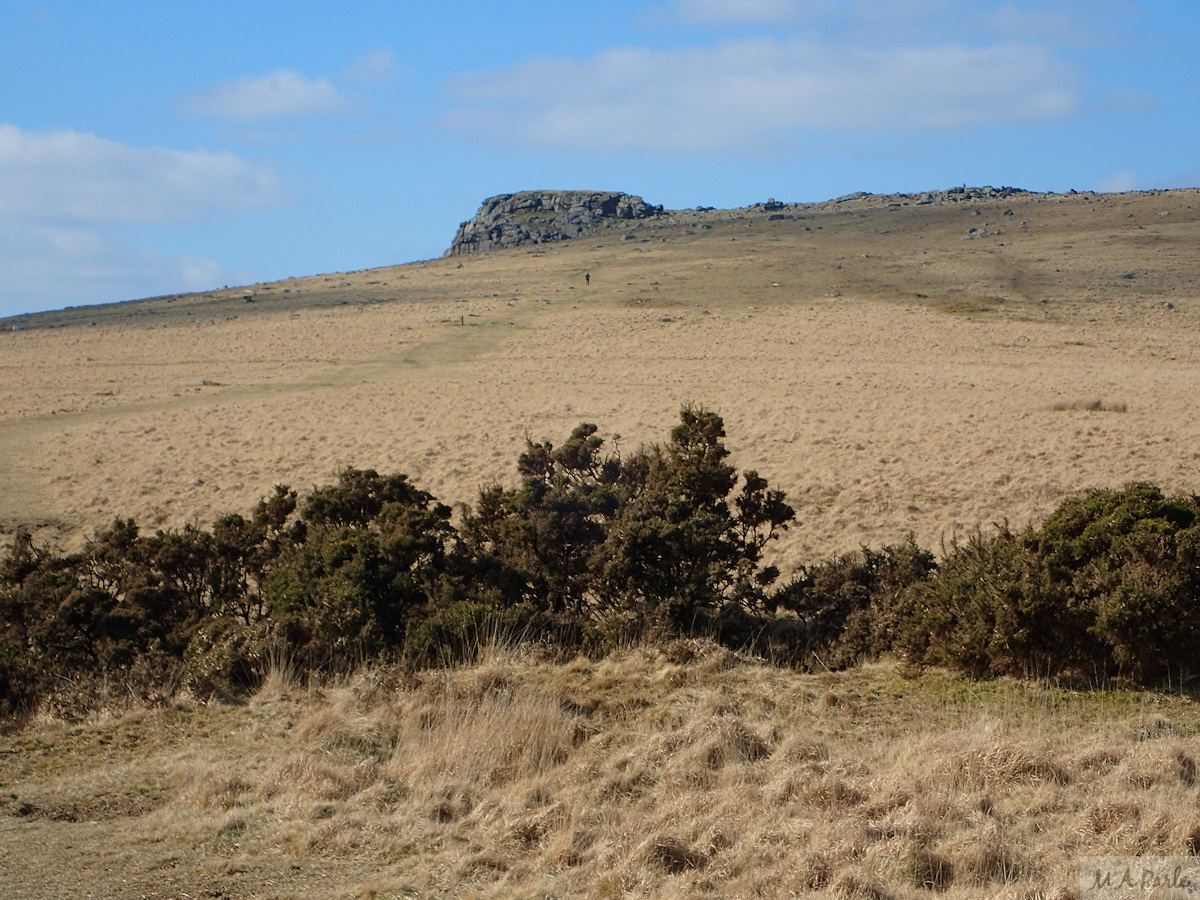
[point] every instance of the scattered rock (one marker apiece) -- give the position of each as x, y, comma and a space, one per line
539, 217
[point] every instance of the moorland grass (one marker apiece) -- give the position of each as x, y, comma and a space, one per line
717, 775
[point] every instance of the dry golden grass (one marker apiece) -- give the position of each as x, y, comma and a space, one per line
718, 776
887, 374
890, 375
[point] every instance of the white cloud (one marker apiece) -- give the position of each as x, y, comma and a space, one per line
376, 67
1118, 183
750, 93
281, 94
62, 189
70, 176
1060, 22
50, 266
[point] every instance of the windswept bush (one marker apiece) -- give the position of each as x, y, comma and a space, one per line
1108, 586
996, 607
93, 612
852, 607
658, 539
371, 554
684, 544
129, 602
536, 544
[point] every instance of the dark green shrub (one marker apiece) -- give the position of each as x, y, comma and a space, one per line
244, 553
1108, 586
535, 544
19, 677
1134, 556
658, 539
459, 631
679, 547
851, 607
374, 556
68, 615
996, 607
227, 658
359, 498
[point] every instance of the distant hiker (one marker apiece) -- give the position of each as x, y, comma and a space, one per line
587, 277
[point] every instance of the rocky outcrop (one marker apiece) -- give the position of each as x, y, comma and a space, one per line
539, 217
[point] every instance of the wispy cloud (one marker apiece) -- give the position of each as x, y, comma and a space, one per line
757, 92
49, 266
734, 12
1124, 100
1118, 183
1060, 22
64, 189
76, 177
284, 93
376, 67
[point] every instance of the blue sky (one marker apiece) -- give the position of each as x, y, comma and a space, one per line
159, 147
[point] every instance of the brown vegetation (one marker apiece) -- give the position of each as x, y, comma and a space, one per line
892, 377
849, 386
634, 774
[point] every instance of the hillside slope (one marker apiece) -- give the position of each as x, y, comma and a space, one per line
929, 367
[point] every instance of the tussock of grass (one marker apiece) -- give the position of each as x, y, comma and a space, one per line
668, 773
1096, 405
994, 757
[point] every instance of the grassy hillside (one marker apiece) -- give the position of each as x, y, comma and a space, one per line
894, 368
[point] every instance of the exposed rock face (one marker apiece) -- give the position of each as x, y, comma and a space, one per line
537, 217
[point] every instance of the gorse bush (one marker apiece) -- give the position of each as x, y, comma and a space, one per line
591, 549
1108, 586
852, 607
129, 602
368, 555
658, 538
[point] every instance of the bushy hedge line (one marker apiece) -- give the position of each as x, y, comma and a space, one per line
592, 549
1108, 586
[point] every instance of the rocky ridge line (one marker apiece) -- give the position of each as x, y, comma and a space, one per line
538, 217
